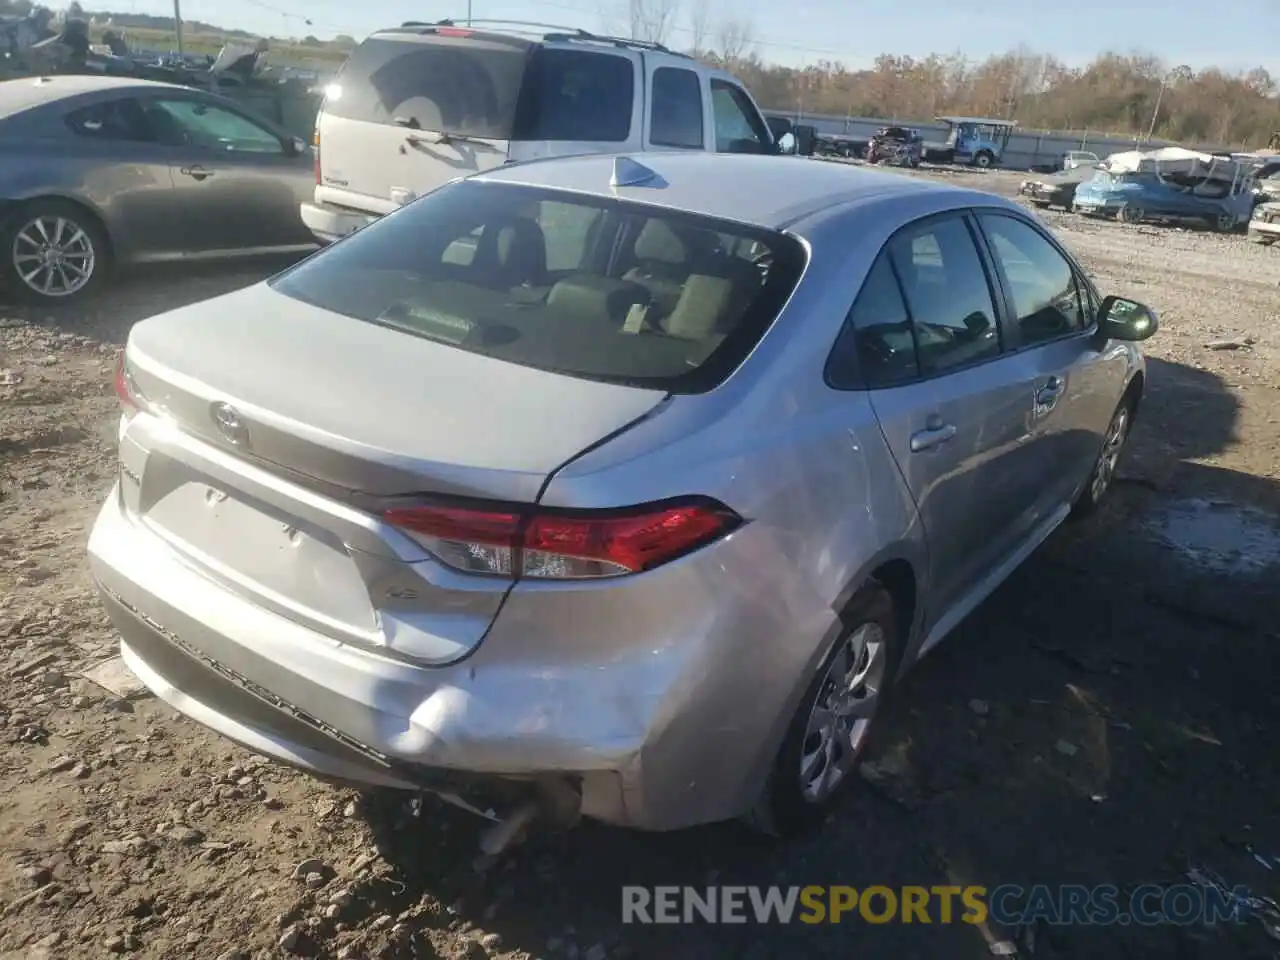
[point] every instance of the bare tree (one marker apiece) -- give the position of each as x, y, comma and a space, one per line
735, 38
700, 26
652, 20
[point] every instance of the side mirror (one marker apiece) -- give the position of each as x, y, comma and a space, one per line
298, 146
1121, 319
787, 143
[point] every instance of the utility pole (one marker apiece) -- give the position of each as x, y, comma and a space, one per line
1155, 114
177, 23
468, 12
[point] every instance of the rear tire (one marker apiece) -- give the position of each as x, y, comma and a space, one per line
824, 744
984, 160
1130, 214
54, 252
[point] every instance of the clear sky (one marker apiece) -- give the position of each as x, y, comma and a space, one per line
1236, 37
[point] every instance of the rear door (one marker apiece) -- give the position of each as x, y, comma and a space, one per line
238, 183
952, 404
1072, 386
411, 111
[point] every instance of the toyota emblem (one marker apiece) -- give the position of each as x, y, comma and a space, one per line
229, 424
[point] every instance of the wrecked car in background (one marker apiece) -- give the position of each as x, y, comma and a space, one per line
1169, 184
1264, 228
896, 147
1056, 189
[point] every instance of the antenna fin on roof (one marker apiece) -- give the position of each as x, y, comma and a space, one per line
632, 173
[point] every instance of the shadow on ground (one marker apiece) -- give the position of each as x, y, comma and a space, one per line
1100, 720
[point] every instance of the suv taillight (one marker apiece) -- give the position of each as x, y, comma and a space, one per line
126, 391
315, 149
564, 544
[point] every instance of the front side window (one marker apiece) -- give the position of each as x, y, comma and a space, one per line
739, 128
1042, 284
205, 126
947, 293
676, 118
586, 286
577, 95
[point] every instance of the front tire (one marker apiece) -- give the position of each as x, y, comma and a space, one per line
829, 733
984, 160
55, 253
1102, 478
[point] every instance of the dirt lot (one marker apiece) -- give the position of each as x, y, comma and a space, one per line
1107, 717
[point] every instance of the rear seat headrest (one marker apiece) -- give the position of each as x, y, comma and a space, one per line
658, 242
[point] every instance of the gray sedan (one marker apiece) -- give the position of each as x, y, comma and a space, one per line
632, 483
97, 171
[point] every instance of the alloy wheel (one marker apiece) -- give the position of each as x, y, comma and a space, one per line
841, 715
1112, 445
54, 256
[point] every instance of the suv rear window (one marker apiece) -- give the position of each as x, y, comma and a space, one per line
587, 286
465, 86
495, 89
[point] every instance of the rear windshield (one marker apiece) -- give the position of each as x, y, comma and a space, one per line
463, 86
495, 89
592, 287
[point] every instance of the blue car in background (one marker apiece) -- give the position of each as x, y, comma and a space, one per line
1181, 186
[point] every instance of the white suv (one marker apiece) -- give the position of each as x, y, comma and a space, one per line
422, 104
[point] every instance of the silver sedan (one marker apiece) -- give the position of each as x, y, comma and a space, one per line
98, 171
631, 484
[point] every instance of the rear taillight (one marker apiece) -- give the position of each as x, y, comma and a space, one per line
564, 544
126, 390
315, 149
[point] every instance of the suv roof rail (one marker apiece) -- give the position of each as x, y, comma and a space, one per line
552, 32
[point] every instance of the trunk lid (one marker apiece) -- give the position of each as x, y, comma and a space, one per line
294, 425
367, 408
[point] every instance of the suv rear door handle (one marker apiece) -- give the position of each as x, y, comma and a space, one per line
196, 172
933, 435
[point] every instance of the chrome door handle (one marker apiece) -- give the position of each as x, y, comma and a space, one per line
933, 436
197, 172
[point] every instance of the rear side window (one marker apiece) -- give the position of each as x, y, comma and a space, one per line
876, 348
577, 95
586, 286
111, 120
465, 86
676, 118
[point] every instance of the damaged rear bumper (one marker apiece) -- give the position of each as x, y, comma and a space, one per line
621, 708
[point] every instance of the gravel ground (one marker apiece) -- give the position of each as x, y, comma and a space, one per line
1106, 717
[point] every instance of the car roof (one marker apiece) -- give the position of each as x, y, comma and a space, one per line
17, 96
766, 191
